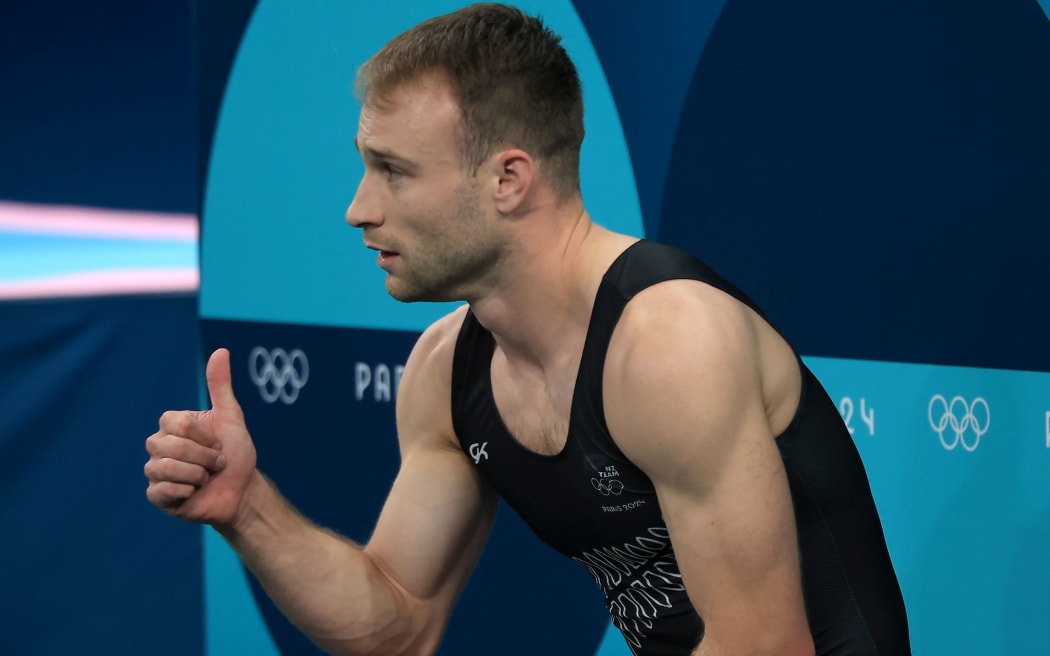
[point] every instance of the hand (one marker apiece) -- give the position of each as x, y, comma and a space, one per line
202, 462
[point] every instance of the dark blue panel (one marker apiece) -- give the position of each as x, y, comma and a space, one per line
649, 52
88, 565
333, 452
875, 175
96, 104
218, 28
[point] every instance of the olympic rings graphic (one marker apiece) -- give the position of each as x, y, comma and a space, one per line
612, 487
277, 374
961, 417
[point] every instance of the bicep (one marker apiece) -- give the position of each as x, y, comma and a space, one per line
437, 516
729, 514
736, 545
688, 409
433, 525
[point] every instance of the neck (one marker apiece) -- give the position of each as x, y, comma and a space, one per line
539, 311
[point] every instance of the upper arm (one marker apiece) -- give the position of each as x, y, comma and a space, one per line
684, 401
437, 516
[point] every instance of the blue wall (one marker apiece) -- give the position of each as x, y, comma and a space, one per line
876, 177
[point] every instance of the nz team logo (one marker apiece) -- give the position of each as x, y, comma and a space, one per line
959, 422
607, 481
278, 374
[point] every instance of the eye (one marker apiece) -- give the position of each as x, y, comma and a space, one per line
390, 172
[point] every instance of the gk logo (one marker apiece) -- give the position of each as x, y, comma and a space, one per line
477, 452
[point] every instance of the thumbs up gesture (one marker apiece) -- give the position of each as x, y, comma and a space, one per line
201, 462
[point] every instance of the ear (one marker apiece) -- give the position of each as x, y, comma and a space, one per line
516, 173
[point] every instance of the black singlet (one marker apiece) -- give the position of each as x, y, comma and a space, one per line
593, 505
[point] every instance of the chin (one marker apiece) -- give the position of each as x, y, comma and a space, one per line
409, 293
399, 293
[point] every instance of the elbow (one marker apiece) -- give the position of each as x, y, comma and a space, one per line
415, 633
421, 646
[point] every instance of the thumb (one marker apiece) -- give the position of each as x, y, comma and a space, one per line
220, 382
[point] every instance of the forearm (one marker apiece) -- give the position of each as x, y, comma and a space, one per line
327, 586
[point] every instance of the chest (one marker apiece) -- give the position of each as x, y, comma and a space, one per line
581, 498
542, 444
535, 407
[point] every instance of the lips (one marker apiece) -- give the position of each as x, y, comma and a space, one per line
385, 258
382, 251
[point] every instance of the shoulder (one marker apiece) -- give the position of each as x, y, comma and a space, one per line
437, 344
671, 327
425, 392
682, 379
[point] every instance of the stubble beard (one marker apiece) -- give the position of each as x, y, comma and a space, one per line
457, 254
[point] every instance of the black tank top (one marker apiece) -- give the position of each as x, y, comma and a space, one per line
593, 505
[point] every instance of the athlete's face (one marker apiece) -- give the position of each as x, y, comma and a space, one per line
418, 204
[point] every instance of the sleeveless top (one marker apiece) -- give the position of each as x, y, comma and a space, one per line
593, 505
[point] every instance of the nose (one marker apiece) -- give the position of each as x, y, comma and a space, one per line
365, 209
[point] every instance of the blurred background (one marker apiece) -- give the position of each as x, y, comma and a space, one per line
98, 323
875, 175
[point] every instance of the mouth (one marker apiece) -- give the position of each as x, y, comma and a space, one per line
385, 257
382, 251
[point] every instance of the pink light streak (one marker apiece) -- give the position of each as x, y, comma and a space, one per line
95, 222
103, 283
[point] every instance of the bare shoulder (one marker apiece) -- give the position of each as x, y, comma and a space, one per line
683, 382
437, 343
670, 328
425, 394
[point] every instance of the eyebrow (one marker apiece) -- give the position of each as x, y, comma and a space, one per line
382, 155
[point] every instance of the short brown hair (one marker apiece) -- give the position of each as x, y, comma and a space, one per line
514, 83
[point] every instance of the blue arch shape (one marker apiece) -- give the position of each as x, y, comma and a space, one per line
650, 52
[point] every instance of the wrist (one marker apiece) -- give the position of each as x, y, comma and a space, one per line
248, 512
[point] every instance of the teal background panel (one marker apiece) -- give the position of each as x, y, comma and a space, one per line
968, 530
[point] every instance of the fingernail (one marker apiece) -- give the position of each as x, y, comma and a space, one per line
220, 462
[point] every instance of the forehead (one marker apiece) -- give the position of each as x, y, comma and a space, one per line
418, 115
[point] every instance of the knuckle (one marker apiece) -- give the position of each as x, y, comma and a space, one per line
155, 494
166, 495
175, 449
166, 419
183, 424
176, 422
166, 469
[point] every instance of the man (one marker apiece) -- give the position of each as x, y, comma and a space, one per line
632, 406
